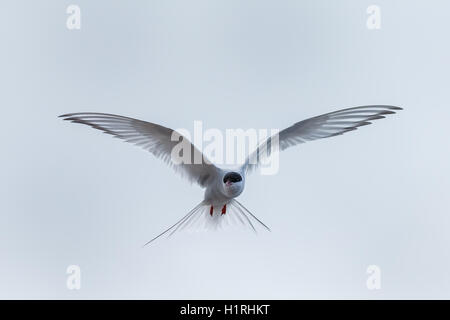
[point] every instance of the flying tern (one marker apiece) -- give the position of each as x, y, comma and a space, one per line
222, 186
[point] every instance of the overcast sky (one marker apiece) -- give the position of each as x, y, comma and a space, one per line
73, 196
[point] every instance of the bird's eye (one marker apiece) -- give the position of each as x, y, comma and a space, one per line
232, 177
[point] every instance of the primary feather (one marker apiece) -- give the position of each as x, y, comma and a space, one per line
319, 127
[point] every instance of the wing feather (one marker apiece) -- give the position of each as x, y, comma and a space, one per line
319, 127
150, 136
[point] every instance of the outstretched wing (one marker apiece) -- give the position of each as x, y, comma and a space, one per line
323, 126
152, 137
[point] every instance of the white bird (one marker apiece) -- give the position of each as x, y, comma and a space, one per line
223, 186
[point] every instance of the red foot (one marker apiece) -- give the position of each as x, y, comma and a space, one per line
224, 209
211, 211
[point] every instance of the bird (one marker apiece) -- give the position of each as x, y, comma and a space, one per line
223, 186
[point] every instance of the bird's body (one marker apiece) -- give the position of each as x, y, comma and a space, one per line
222, 186
217, 194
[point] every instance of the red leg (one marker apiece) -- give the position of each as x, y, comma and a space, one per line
211, 211
224, 209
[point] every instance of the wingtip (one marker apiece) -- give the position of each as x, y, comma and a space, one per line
75, 114
384, 106
143, 246
65, 116
390, 109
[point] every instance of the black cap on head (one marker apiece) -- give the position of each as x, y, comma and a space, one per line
232, 177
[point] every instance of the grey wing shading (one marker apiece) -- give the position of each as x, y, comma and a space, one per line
152, 137
323, 126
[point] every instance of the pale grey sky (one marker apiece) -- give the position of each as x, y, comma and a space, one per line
71, 195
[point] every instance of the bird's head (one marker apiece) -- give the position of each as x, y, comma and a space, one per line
233, 184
